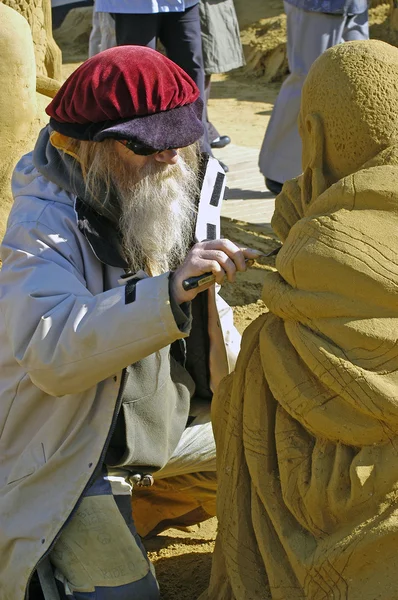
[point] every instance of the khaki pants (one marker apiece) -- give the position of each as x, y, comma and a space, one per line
184, 492
174, 502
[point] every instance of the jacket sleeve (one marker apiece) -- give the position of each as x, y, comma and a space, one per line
66, 338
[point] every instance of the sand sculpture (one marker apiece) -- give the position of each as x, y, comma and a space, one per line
47, 54
29, 74
307, 426
73, 35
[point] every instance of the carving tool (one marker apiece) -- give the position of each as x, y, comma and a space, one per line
193, 282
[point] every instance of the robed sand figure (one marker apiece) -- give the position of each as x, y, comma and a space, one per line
307, 426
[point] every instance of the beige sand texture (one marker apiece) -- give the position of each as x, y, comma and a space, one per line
18, 102
47, 54
307, 426
29, 71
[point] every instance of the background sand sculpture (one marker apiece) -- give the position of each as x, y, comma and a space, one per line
30, 73
47, 54
19, 109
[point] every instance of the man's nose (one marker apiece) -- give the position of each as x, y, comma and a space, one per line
167, 156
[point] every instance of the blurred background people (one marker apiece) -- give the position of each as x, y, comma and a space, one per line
175, 23
222, 51
312, 27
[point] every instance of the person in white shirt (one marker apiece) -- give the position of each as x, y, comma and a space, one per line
176, 23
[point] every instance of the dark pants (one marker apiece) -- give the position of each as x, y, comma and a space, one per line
180, 34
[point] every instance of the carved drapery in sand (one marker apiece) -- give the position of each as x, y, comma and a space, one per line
307, 426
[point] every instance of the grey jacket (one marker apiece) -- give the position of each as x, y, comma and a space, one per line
66, 336
221, 45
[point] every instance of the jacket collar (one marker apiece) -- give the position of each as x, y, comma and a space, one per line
98, 221
104, 238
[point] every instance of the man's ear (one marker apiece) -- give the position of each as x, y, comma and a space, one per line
314, 133
313, 177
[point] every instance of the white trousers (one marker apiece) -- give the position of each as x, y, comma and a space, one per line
309, 34
102, 34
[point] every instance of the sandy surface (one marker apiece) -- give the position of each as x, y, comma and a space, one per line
183, 560
250, 11
240, 106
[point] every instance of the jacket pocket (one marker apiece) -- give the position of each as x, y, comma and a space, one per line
153, 414
17, 476
29, 461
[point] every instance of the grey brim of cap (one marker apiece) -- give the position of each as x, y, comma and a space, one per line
173, 128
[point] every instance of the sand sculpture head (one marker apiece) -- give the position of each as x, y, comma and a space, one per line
349, 110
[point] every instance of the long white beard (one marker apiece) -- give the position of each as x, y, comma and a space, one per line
157, 215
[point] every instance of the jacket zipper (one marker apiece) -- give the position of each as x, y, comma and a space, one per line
92, 477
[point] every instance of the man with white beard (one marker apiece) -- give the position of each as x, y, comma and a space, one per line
108, 364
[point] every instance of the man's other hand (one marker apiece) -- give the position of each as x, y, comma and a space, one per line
222, 258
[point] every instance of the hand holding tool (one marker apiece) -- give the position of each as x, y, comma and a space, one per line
193, 282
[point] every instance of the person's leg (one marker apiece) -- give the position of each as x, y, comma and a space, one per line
136, 30
94, 43
107, 27
309, 34
175, 502
181, 36
356, 27
99, 554
184, 492
102, 34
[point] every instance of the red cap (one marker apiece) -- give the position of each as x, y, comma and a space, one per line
129, 92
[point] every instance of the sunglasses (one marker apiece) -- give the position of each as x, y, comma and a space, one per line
140, 149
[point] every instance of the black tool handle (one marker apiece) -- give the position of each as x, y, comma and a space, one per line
193, 282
